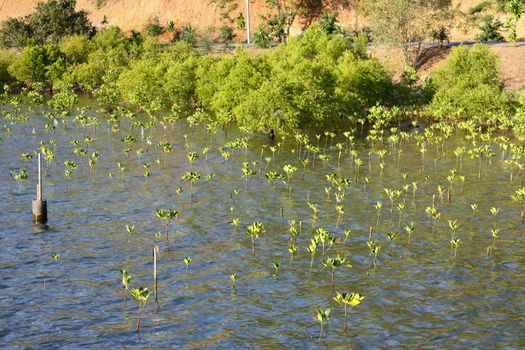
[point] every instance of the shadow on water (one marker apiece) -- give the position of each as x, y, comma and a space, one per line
39, 228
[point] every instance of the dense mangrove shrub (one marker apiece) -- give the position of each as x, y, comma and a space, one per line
517, 120
6, 59
468, 85
316, 79
76, 48
109, 51
43, 64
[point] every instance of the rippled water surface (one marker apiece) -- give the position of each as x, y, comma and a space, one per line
419, 296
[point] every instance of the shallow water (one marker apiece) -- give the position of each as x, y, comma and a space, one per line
419, 295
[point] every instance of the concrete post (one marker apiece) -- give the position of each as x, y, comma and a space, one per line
39, 206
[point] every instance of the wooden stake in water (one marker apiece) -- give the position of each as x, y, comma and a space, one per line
39, 207
155, 249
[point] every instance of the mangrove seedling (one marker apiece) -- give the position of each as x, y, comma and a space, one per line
20, 176
358, 162
440, 191
314, 209
247, 172
327, 190
121, 169
409, 228
141, 295
346, 234
374, 248
192, 157
519, 196
392, 235
191, 177
321, 316
414, 189
235, 222
494, 211
434, 214
454, 226
139, 152
455, 243
333, 264
325, 158
233, 278
312, 248
276, 266
130, 229
55, 256
187, 262
378, 205
323, 236
146, 166
125, 279
289, 171
400, 207
392, 196
26, 156
166, 148
70, 166
93, 160
254, 230
271, 176
495, 234
340, 212
474, 207
340, 149
352, 299
294, 232
166, 215
292, 249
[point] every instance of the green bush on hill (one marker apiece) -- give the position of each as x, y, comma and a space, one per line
51, 21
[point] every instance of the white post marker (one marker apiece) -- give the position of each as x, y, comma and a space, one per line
39, 206
248, 22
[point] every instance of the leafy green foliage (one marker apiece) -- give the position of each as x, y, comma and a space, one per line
468, 85
490, 29
317, 79
153, 27
14, 33
6, 59
39, 64
227, 35
140, 85
76, 48
262, 38
515, 8
328, 22
51, 21
189, 34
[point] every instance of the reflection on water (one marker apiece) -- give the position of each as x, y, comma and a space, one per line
419, 296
